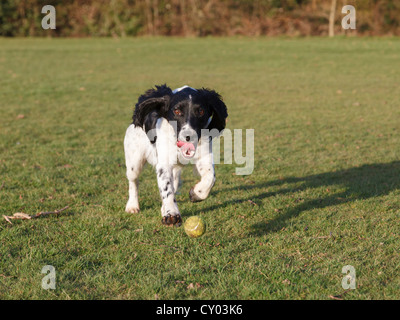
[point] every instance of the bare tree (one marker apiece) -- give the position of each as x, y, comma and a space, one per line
332, 18
314, 5
149, 17
156, 24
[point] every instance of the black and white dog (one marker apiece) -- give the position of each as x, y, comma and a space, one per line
167, 132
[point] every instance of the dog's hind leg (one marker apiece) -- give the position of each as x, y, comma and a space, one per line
132, 172
132, 205
135, 157
176, 172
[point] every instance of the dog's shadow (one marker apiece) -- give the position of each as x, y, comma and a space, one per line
358, 183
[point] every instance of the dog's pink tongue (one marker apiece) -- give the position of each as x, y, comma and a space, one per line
180, 143
187, 148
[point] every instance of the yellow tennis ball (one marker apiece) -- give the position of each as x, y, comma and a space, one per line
194, 227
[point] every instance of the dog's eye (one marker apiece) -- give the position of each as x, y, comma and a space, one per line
201, 112
178, 112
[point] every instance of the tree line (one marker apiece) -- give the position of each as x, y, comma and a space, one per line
119, 18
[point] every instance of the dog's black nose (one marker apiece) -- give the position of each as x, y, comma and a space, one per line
187, 138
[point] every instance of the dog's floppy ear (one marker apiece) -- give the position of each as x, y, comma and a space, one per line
157, 99
220, 113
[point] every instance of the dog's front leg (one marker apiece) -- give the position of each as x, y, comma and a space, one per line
205, 168
166, 159
169, 211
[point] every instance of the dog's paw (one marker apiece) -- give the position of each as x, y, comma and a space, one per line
132, 210
172, 220
193, 196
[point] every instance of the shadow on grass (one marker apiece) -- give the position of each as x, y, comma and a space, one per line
363, 182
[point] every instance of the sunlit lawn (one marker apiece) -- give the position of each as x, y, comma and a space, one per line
324, 192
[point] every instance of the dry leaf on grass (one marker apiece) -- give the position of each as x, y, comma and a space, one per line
339, 296
24, 216
194, 286
21, 215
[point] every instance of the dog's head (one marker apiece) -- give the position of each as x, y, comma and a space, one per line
191, 109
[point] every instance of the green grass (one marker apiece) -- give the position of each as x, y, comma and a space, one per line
326, 183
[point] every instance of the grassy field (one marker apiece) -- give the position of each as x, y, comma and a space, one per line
325, 191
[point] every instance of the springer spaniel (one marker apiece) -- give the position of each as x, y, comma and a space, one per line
170, 129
